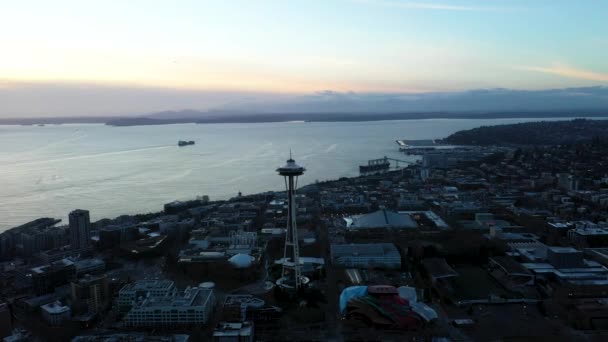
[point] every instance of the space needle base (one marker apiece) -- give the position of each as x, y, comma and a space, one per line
289, 283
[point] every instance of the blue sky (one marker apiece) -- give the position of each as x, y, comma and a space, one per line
300, 47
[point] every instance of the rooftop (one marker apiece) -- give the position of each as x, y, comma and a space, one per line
148, 284
383, 219
192, 296
225, 330
438, 268
364, 249
510, 266
55, 308
87, 263
557, 249
591, 231
244, 300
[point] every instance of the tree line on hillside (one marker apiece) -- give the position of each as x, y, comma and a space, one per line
532, 133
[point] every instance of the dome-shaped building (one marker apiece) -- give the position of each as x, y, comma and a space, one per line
241, 260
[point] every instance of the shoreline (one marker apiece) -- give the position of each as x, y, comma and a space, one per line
223, 196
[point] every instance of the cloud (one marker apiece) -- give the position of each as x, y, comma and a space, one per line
570, 72
426, 5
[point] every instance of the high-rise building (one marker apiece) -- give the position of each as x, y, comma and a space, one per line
80, 229
91, 291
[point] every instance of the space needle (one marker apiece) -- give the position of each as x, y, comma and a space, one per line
291, 276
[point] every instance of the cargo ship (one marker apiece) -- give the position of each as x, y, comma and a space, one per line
185, 143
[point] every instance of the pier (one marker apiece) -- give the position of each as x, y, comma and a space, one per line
380, 165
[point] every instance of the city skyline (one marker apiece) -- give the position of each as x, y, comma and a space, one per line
107, 58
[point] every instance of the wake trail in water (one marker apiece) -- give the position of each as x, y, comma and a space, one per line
173, 177
94, 155
331, 148
75, 137
223, 163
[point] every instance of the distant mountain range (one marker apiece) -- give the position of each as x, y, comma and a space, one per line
338, 106
349, 106
214, 117
472, 101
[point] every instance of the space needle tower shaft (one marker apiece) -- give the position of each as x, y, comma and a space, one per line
291, 256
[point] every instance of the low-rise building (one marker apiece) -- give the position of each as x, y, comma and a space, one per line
234, 332
190, 308
365, 255
56, 254
589, 237
380, 219
437, 269
239, 308
564, 264
509, 272
44, 279
130, 293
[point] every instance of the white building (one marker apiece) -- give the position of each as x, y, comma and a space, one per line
56, 313
193, 307
130, 293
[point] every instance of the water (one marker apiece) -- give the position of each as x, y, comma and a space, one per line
51, 170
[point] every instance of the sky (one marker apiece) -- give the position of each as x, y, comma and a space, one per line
89, 57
